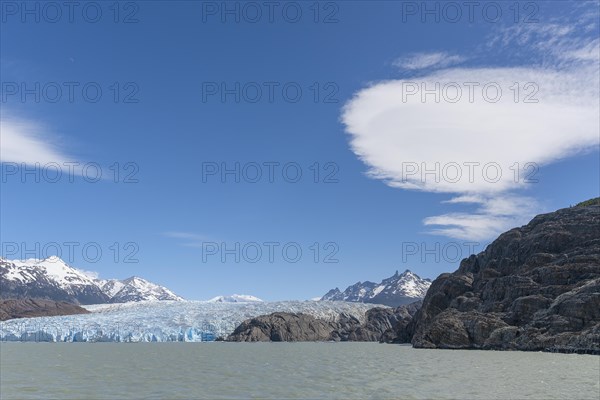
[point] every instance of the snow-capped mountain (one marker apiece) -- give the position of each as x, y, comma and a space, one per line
135, 289
50, 278
396, 290
110, 286
235, 298
54, 279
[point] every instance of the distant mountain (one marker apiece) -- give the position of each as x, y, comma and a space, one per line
110, 286
394, 291
50, 279
135, 289
53, 279
235, 298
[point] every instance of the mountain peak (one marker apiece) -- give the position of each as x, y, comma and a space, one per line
135, 288
49, 278
52, 278
393, 291
133, 278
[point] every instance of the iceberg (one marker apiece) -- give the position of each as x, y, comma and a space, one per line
164, 321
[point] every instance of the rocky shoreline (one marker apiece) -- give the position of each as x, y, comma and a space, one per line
378, 323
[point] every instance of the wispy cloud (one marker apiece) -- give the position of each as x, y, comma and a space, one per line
492, 217
401, 137
417, 61
28, 142
187, 239
567, 39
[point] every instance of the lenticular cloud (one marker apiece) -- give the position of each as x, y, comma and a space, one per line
473, 130
479, 133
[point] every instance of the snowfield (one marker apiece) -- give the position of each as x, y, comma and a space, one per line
234, 298
163, 321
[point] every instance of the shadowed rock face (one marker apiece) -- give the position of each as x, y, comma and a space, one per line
380, 324
28, 308
282, 327
401, 331
534, 288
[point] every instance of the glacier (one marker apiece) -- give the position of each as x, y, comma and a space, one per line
164, 321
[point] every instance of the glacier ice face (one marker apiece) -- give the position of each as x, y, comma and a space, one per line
163, 321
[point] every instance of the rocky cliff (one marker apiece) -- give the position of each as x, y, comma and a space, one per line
534, 288
297, 327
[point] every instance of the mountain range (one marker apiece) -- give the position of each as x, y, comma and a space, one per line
394, 291
53, 279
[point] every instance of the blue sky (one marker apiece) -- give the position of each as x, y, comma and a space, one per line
168, 114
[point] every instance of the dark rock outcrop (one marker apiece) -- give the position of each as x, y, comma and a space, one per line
534, 288
401, 331
379, 324
377, 321
28, 308
282, 327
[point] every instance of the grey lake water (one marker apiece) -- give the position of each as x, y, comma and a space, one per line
288, 371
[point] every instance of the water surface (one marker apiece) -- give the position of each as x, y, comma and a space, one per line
288, 371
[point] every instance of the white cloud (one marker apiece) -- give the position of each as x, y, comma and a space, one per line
27, 142
400, 136
188, 239
558, 42
492, 217
403, 134
585, 52
418, 61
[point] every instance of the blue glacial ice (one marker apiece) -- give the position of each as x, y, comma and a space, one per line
162, 321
